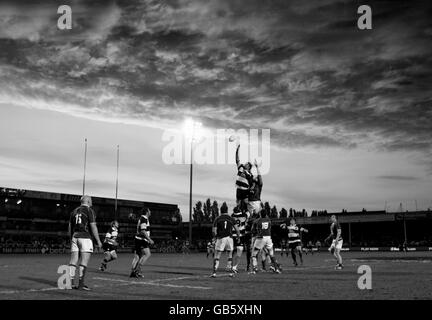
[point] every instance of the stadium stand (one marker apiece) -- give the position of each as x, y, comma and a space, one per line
36, 222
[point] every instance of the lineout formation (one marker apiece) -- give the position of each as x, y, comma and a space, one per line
247, 229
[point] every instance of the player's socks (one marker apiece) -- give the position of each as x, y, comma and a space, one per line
215, 265
72, 271
248, 259
82, 272
293, 256
229, 264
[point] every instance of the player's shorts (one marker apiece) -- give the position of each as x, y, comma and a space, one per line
254, 207
140, 244
247, 240
336, 244
240, 242
223, 244
294, 244
242, 195
263, 243
107, 247
81, 245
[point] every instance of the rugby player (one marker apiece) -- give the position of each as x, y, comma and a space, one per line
82, 220
263, 241
294, 239
284, 246
243, 180
110, 245
210, 248
337, 241
239, 242
309, 247
222, 229
250, 234
142, 243
254, 205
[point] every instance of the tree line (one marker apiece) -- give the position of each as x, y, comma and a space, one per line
206, 212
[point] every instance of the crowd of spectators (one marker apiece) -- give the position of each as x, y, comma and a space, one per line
18, 244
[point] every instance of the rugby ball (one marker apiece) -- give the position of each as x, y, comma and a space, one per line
232, 138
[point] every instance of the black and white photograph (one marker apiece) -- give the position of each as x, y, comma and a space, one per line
241, 151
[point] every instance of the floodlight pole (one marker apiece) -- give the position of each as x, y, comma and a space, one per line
190, 186
116, 194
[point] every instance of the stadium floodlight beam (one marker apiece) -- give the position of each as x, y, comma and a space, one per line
190, 129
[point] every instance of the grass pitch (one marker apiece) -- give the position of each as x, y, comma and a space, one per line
395, 275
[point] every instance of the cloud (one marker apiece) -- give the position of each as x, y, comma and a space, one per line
301, 69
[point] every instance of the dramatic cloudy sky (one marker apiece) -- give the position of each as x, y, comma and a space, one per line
350, 111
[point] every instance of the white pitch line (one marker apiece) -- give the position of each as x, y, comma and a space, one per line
151, 283
189, 277
29, 290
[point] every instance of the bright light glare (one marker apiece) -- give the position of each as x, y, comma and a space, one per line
192, 128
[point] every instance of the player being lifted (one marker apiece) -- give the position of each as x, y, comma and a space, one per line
142, 243
263, 242
244, 177
294, 239
82, 220
222, 229
240, 243
336, 237
110, 245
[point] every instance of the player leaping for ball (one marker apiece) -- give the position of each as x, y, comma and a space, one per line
244, 177
222, 231
142, 243
263, 241
336, 237
110, 245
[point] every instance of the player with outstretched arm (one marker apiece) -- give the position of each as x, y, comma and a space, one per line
294, 239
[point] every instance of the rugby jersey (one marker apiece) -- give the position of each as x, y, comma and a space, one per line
263, 227
334, 230
243, 178
240, 219
224, 225
143, 227
294, 233
255, 190
80, 220
111, 235
249, 228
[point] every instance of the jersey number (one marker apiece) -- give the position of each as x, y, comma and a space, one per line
78, 218
225, 225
